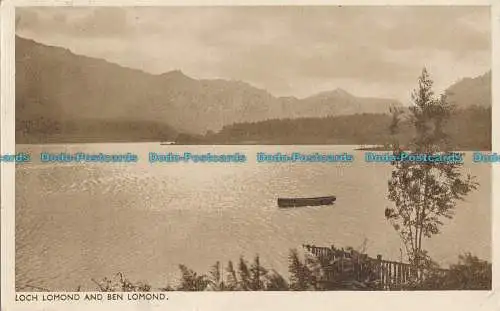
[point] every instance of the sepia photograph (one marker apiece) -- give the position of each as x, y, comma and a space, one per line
252, 148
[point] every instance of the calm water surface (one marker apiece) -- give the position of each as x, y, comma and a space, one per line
75, 222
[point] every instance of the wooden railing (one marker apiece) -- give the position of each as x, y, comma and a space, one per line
360, 267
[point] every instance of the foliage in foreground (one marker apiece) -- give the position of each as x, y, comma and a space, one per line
470, 273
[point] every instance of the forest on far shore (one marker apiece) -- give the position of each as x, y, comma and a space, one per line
468, 129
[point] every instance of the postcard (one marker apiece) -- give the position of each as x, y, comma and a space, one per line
249, 156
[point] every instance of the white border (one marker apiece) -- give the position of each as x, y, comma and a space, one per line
240, 301
240, 2
7, 145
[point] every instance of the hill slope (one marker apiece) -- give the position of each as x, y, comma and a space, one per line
55, 84
471, 92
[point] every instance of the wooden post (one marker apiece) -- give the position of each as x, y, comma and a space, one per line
403, 280
402, 273
355, 265
399, 274
396, 276
390, 274
379, 267
407, 273
395, 267
387, 277
387, 274
342, 261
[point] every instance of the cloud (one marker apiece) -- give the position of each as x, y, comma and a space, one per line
76, 21
288, 50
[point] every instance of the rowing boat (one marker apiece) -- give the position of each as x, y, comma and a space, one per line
299, 202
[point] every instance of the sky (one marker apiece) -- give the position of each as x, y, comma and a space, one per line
376, 51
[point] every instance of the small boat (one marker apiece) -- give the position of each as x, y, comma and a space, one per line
298, 202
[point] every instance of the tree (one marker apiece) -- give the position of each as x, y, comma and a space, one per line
300, 275
257, 275
191, 281
232, 280
119, 283
215, 281
276, 282
244, 274
425, 192
470, 273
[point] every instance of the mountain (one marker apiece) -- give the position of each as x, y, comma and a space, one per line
471, 92
468, 128
64, 96
340, 102
53, 83
55, 87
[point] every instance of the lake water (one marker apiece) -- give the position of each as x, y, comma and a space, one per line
75, 222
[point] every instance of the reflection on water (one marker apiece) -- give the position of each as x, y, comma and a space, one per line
77, 222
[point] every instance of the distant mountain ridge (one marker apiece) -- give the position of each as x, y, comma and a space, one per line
471, 92
57, 89
53, 82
